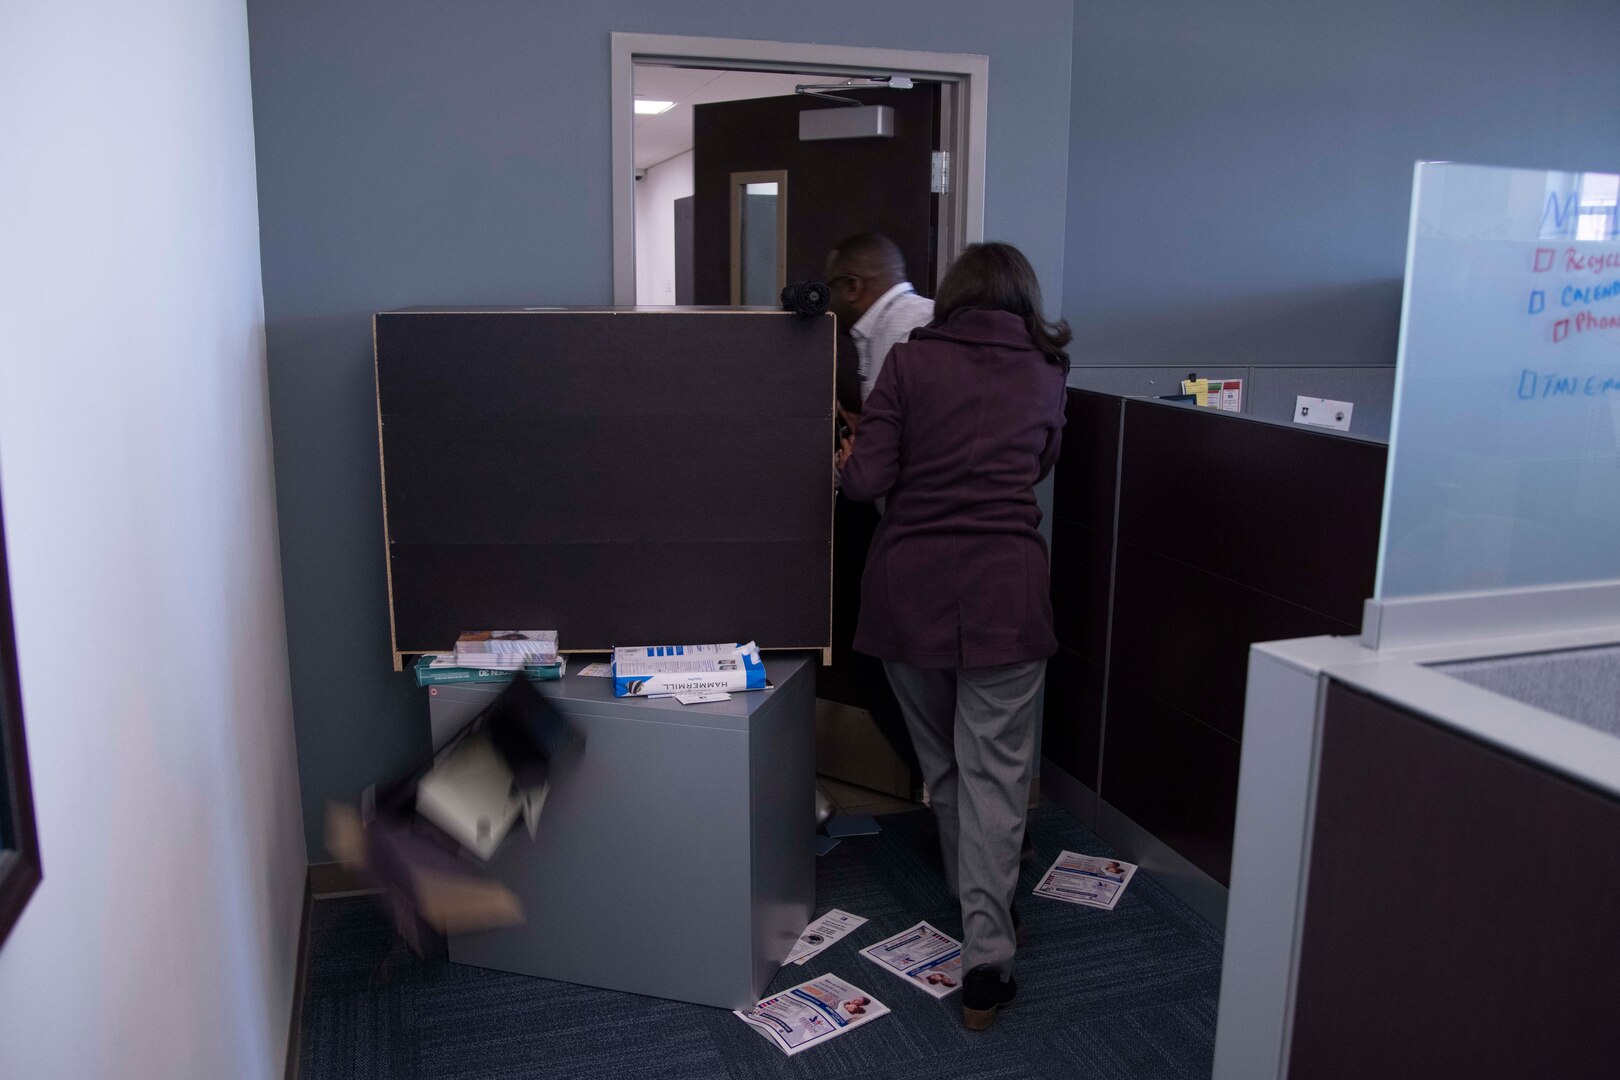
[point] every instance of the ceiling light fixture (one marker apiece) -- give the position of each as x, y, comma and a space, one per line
652, 108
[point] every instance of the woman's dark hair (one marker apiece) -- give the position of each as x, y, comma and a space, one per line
998, 277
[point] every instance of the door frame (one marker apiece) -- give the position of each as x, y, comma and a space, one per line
964, 112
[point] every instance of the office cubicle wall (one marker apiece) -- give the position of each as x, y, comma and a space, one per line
1216, 531
1425, 846
1083, 502
1269, 391
1460, 903
1424, 881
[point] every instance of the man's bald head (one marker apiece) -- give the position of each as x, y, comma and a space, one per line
870, 255
860, 270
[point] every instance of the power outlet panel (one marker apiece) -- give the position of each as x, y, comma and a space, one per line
1323, 412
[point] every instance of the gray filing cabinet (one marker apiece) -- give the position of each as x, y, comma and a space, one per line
674, 856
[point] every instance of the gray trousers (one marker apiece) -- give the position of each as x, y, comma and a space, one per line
975, 734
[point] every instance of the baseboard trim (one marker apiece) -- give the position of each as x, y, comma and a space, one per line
1195, 888
322, 881
295, 1022
329, 880
1069, 793
1191, 885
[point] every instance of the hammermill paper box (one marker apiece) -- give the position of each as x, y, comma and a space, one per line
662, 670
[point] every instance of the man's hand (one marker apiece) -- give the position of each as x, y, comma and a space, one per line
851, 420
846, 447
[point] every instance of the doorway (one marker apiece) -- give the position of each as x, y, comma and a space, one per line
745, 179
731, 181
959, 80
665, 104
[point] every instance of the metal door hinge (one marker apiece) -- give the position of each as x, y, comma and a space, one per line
940, 179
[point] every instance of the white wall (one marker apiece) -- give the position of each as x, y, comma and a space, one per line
136, 477
655, 227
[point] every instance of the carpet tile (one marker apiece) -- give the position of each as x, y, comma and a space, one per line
1117, 995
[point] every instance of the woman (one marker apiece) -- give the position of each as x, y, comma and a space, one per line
965, 418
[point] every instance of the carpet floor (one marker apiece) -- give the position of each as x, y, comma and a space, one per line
1108, 995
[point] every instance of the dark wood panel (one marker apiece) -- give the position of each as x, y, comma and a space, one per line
1288, 511
1081, 569
619, 476
1183, 635
1072, 732
846, 680
700, 365
835, 188
1174, 776
775, 593
1084, 479
664, 479
1230, 532
1082, 545
1460, 910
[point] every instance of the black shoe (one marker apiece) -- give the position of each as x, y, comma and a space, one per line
983, 992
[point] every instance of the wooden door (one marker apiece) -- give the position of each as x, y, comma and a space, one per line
837, 187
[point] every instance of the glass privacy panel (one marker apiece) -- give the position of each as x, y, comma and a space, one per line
758, 247
1504, 465
758, 237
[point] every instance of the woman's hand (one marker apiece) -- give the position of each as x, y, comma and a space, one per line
846, 447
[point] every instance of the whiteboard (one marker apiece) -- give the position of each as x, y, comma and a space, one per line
1504, 465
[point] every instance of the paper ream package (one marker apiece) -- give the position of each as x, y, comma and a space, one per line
437, 669
662, 670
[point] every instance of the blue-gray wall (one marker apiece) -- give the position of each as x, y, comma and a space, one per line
439, 153
1224, 187
1240, 172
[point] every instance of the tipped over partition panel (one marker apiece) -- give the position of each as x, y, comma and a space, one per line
619, 475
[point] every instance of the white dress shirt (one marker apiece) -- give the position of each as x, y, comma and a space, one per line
890, 320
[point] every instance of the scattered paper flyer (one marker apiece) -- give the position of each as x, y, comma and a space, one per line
597, 671
822, 934
812, 1012
922, 956
1086, 879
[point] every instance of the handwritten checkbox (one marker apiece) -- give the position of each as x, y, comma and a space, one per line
1538, 301
1560, 329
1544, 259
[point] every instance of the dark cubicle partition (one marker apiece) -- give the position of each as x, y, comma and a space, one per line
1460, 905
1083, 502
620, 475
1180, 536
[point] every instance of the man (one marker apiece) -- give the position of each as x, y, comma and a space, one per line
871, 296
866, 275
